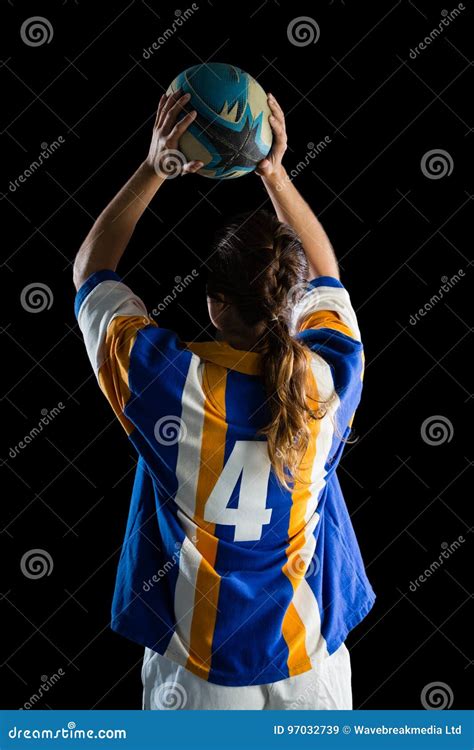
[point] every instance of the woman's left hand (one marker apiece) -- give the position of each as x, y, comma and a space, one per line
272, 165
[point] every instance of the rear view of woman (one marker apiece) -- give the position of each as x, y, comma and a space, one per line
240, 572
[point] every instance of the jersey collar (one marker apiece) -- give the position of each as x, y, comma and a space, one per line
222, 353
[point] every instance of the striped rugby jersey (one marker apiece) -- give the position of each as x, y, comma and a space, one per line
223, 570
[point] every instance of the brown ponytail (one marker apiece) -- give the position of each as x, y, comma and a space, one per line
259, 267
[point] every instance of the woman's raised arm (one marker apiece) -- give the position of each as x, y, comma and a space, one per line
290, 206
106, 242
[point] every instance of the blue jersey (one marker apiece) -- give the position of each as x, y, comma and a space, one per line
223, 570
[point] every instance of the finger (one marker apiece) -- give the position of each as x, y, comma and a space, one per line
182, 126
170, 117
277, 121
262, 166
160, 107
192, 166
277, 113
277, 126
170, 101
275, 101
161, 110
274, 104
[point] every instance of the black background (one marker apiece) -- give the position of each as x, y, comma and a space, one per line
396, 231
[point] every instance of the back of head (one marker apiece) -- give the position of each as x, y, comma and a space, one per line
256, 262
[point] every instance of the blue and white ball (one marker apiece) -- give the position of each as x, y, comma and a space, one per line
231, 132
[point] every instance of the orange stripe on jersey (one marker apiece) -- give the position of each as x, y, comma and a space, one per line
113, 373
212, 463
293, 628
325, 319
225, 355
294, 633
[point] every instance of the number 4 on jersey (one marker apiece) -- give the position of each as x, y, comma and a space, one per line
249, 459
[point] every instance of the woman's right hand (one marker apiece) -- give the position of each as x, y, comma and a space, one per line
272, 165
164, 148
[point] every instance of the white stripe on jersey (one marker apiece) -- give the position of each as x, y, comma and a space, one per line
325, 387
187, 474
332, 298
106, 301
189, 450
305, 601
185, 595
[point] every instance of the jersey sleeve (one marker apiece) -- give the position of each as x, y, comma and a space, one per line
326, 304
110, 317
325, 321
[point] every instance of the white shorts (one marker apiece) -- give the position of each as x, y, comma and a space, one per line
168, 686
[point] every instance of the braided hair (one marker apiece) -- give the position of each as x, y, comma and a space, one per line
257, 266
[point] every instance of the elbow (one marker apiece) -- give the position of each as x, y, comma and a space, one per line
77, 280
77, 273
81, 268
